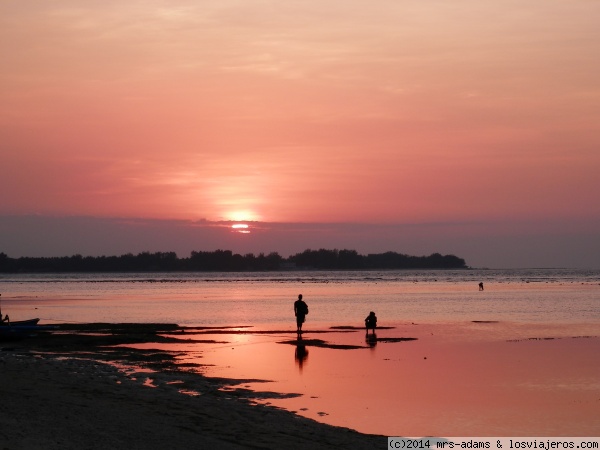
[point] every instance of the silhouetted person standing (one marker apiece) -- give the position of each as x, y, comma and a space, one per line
300, 310
371, 322
481, 286
6, 319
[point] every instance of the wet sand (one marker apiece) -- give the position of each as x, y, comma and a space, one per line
477, 378
58, 392
140, 386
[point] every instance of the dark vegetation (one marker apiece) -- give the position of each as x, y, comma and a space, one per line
225, 260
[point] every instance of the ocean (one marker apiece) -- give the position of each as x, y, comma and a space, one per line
334, 297
518, 358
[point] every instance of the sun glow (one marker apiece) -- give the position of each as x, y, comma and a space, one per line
242, 216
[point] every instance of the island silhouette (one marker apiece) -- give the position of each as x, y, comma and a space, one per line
226, 260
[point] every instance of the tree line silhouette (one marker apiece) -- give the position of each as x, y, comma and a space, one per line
226, 260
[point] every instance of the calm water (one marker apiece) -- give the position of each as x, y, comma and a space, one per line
334, 297
474, 369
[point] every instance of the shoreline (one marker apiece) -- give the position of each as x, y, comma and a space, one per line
499, 378
58, 393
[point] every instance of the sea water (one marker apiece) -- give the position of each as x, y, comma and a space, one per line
518, 358
334, 297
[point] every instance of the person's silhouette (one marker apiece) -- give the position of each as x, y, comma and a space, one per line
6, 318
300, 311
481, 286
371, 322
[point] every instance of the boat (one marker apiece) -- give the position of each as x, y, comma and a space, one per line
22, 328
19, 323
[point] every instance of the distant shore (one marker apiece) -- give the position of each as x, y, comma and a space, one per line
67, 398
227, 261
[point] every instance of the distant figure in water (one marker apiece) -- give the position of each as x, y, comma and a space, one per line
300, 310
481, 286
371, 322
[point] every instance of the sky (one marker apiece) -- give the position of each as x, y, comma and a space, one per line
418, 126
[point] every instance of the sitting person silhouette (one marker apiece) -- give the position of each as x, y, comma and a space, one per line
371, 322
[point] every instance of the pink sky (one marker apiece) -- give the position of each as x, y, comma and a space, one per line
467, 113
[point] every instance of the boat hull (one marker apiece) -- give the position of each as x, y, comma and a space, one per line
20, 323
22, 328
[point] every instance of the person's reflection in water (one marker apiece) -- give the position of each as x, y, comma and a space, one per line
301, 353
371, 339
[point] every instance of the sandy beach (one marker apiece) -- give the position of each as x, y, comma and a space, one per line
140, 386
57, 401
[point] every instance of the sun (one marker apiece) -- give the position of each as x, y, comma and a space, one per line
239, 220
241, 228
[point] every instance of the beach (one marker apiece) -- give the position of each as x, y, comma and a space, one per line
56, 401
517, 359
133, 386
